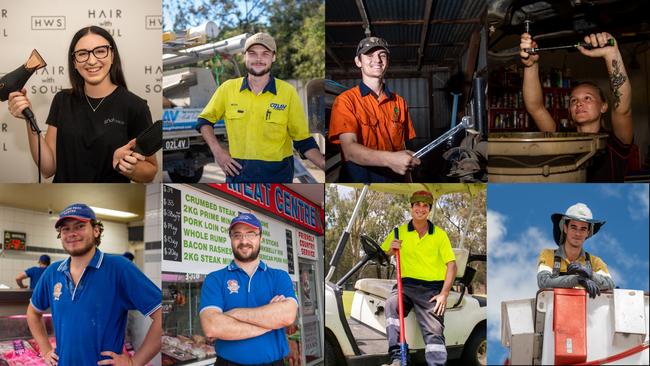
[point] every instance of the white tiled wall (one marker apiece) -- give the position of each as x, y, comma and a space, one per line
153, 232
39, 227
11, 264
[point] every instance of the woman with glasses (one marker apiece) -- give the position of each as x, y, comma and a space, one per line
93, 125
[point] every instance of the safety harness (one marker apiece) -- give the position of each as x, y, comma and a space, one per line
557, 260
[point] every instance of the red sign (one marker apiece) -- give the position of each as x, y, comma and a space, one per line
306, 245
14, 240
279, 200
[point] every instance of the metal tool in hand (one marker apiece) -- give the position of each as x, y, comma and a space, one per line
465, 123
587, 46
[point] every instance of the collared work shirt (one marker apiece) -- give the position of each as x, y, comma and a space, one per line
260, 127
231, 288
383, 124
422, 258
90, 318
34, 274
547, 259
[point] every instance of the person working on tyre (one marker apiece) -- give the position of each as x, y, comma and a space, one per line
372, 123
428, 266
264, 119
588, 105
570, 265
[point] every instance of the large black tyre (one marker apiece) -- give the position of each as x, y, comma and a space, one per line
333, 355
475, 349
178, 178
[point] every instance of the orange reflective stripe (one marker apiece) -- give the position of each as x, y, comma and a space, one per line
383, 124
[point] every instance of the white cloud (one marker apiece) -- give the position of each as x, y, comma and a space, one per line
638, 202
611, 190
512, 267
496, 227
619, 280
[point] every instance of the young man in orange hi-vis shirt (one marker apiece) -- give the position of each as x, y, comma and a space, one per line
372, 123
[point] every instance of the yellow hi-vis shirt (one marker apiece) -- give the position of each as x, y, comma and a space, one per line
547, 259
423, 258
260, 127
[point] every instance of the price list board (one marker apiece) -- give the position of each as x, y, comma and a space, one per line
172, 247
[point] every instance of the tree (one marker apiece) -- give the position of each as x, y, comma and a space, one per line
297, 26
226, 13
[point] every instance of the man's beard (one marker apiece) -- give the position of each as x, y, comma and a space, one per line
78, 252
251, 257
258, 73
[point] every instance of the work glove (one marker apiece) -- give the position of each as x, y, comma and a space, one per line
580, 270
590, 286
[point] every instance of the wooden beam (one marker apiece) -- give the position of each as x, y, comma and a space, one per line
424, 31
356, 23
402, 45
365, 23
470, 66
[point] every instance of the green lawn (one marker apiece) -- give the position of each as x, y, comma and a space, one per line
347, 302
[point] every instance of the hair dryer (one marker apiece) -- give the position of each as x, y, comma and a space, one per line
15, 80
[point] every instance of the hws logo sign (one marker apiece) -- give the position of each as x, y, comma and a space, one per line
48, 22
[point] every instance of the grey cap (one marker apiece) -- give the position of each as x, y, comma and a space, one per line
369, 43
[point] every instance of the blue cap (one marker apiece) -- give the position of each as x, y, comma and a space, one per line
78, 211
45, 259
248, 219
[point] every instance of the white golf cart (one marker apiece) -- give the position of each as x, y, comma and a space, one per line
361, 339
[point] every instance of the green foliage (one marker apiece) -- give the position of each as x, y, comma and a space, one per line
297, 26
226, 13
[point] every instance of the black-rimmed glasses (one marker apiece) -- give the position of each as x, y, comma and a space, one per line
248, 236
99, 52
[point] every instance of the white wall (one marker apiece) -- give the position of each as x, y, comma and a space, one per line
49, 26
40, 231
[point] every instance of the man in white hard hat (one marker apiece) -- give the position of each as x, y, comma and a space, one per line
570, 265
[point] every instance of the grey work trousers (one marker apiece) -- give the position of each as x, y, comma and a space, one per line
416, 296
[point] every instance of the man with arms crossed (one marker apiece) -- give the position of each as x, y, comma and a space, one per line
247, 305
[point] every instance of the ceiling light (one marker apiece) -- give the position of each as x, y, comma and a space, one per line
113, 213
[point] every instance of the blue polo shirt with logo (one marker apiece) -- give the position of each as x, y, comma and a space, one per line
91, 318
34, 274
231, 288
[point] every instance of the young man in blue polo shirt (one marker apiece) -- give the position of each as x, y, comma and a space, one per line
33, 273
247, 305
90, 294
264, 120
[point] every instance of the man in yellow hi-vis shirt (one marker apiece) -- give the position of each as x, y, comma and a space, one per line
264, 120
428, 266
570, 265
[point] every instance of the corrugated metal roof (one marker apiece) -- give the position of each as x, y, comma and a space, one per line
415, 92
403, 38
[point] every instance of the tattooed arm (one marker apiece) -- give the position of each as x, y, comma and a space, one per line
619, 82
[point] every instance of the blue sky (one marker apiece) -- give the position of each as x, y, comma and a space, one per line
519, 226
